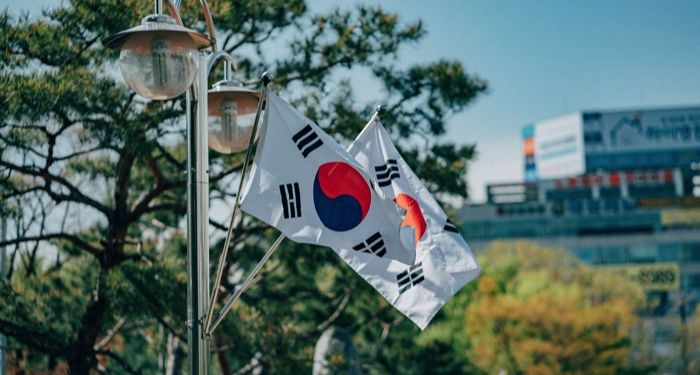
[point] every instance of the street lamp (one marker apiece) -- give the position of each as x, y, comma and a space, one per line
158, 57
161, 59
232, 109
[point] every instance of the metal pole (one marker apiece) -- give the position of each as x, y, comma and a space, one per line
237, 294
197, 221
3, 340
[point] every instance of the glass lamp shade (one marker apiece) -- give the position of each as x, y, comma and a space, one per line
231, 115
158, 65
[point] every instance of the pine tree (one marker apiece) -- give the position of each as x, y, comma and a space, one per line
92, 185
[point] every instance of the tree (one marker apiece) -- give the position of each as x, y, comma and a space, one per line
540, 311
92, 184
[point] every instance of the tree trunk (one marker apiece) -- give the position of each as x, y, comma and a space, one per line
223, 360
173, 365
81, 357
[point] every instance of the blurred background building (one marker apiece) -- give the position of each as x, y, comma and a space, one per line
620, 189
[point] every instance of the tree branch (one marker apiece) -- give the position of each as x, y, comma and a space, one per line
171, 159
78, 153
225, 172
121, 361
142, 205
74, 195
175, 207
51, 236
121, 189
336, 313
34, 338
110, 335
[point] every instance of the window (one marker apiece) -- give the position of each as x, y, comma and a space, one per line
669, 253
574, 207
690, 281
609, 192
657, 303
593, 206
612, 255
569, 193
642, 253
587, 255
611, 204
654, 191
691, 251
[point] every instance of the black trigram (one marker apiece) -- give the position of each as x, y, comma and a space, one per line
373, 245
291, 200
449, 227
411, 277
387, 172
307, 140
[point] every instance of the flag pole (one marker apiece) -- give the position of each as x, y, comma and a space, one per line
266, 79
380, 110
237, 294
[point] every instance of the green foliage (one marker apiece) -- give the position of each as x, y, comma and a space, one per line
540, 311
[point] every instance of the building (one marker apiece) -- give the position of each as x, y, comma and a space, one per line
588, 142
619, 189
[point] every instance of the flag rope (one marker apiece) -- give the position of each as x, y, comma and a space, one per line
266, 79
237, 294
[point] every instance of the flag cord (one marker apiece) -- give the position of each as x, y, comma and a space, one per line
237, 294
266, 79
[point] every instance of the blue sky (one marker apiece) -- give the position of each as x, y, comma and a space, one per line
545, 58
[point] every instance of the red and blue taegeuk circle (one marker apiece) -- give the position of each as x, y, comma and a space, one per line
342, 197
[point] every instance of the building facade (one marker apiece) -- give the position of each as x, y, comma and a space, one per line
620, 190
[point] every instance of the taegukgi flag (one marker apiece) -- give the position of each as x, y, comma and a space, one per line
442, 261
304, 184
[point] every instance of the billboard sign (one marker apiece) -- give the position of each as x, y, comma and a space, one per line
529, 153
684, 218
559, 147
634, 131
651, 277
685, 202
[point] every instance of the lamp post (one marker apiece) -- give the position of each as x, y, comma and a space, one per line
160, 59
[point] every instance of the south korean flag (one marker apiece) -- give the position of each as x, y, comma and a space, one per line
442, 262
304, 184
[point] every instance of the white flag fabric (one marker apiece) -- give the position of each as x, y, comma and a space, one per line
304, 184
443, 262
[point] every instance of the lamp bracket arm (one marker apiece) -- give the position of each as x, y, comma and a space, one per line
173, 8
210, 22
214, 57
